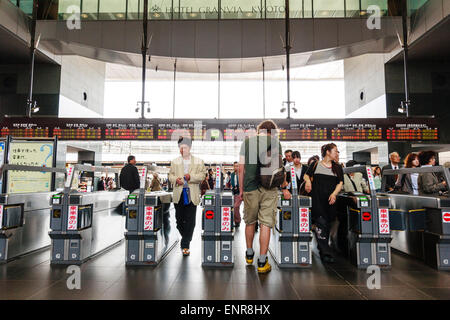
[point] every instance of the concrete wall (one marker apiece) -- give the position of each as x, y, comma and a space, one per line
81, 76
364, 75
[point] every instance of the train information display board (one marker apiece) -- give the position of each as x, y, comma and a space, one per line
30, 153
2, 159
389, 129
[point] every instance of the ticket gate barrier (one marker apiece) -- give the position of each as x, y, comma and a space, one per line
421, 223
364, 234
290, 242
217, 227
84, 224
24, 218
148, 233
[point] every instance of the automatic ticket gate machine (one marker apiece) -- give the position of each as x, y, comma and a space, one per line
148, 233
364, 234
84, 224
421, 223
290, 243
217, 226
24, 217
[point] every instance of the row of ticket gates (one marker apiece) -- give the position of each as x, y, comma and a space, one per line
78, 226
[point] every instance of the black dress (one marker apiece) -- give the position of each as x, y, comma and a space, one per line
323, 214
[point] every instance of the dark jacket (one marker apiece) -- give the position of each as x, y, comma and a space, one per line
429, 184
299, 181
129, 178
234, 187
390, 179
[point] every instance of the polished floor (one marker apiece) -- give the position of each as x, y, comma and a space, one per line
178, 277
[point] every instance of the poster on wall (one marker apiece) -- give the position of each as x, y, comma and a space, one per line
2, 159
30, 153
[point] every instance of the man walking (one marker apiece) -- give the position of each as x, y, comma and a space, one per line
260, 204
129, 175
186, 174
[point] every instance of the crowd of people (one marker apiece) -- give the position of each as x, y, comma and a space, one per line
106, 184
322, 178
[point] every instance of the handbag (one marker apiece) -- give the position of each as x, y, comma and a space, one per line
301, 189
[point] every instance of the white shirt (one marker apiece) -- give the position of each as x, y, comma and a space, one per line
187, 165
394, 167
414, 177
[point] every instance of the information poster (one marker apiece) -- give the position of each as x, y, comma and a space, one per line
30, 153
2, 159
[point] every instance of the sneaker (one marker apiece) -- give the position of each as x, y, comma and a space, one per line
186, 252
249, 258
264, 267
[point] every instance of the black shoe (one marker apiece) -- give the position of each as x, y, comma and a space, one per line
327, 258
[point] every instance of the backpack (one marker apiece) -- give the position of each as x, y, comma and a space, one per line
277, 176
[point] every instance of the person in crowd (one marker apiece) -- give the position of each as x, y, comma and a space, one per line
129, 175
313, 159
211, 179
228, 180
355, 181
408, 182
110, 184
156, 184
234, 180
324, 180
186, 173
299, 168
377, 178
101, 184
394, 158
289, 159
204, 186
260, 204
429, 183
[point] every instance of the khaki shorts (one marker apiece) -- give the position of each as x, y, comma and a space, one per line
261, 205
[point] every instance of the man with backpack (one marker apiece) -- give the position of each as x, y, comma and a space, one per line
261, 173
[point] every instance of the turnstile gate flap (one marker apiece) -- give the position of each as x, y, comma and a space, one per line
59, 235
221, 237
140, 236
444, 202
437, 221
383, 202
360, 220
12, 216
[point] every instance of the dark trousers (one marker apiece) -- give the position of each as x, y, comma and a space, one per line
322, 233
185, 216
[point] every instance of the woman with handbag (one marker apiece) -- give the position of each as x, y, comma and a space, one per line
408, 183
324, 180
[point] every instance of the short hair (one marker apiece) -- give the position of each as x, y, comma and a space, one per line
235, 162
267, 125
313, 158
296, 154
130, 158
185, 140
410, 158
426, 156
351, 163
287, 151
393, 153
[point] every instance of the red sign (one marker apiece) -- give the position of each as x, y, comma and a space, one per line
148, 218
446, 217
226, 219
366, 216
209, 214
72, 218
383, 221
304, 220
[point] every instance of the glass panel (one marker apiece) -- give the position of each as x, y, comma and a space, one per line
160, 9
307, 8
238, 9
26, 6
295, 9
135, 8
382, 4
63, 6
352, 8
197, 9
241, 93
328, 8
89, 9
112, 9
275, 9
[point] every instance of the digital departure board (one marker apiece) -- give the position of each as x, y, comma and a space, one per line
390, 129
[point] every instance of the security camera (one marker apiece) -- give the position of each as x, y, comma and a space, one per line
136, 110
148, 110
401, 110
282, 109
295, 109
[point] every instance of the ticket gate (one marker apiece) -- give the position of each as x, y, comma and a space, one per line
84, 224
290, 242
149, 235
217, 227
364, 234
420, 223
24, 219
